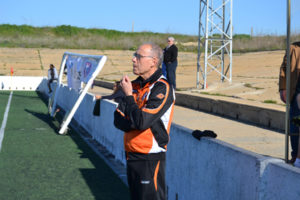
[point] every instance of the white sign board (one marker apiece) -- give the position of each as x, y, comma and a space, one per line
81, 69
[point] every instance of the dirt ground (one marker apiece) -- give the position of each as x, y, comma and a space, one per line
254, 75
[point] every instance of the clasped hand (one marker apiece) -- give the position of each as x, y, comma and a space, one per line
126, 85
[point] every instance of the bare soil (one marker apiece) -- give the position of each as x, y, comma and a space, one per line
254, 75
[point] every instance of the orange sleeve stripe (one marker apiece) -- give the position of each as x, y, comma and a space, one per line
171, 118
154, 111
155, 175
121, 113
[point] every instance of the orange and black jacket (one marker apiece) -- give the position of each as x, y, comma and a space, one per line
146, 117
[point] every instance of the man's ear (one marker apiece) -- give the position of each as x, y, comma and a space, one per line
155, 61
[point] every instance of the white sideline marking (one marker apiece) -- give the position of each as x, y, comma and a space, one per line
5, 120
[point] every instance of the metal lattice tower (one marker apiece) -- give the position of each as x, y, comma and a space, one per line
215, 40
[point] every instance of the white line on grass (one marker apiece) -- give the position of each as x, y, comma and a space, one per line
5, 120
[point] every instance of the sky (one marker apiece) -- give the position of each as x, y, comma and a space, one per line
163, 16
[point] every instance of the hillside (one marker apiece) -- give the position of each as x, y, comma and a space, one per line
70, 37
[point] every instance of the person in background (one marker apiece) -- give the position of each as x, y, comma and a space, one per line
52, 75
294, 93
296, 121
170, 61
164, 69
145, 115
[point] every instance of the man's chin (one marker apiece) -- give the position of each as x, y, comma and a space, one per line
135, 72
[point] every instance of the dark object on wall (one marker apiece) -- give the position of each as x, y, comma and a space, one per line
206, 133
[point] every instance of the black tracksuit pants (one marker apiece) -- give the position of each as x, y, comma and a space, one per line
146, 179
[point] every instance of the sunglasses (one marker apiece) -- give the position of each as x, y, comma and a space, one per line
139, 56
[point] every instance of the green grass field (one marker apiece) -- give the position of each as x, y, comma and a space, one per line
3, 101
36, 163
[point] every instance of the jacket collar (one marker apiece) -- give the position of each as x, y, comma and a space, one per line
154, 77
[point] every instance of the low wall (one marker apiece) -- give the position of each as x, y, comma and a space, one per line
206, 169
26, 83
210, 169
280, 181
262, 116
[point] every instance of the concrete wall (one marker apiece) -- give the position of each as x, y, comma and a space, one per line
279, 181
206, 169
262, 116
20, 82
209, 169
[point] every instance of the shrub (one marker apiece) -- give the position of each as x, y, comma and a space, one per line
67, 36
241, 37
66, 31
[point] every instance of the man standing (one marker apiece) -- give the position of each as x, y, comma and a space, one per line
294, 90
170, 60
52, 75
145, 116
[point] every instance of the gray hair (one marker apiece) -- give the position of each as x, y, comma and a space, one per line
171, 38
157, 52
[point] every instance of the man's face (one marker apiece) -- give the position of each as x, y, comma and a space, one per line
170, 42
143, 62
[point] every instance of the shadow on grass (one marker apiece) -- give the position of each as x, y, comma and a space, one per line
45, 118
101, 180
43, 97
103, 183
